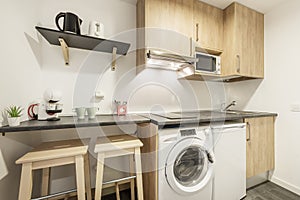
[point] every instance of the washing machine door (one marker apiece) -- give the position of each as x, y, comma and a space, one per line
189, 167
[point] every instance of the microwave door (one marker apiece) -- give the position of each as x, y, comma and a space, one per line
206, 63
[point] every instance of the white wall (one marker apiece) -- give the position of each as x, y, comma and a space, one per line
29, 65
279, 90
20, 78
32, 65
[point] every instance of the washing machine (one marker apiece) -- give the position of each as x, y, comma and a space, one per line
185, 163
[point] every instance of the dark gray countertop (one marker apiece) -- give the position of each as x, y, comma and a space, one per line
203, 116
73, 122
176, 118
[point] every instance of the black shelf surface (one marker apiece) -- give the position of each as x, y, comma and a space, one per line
83, 41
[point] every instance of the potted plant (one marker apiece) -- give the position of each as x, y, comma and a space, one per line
14, 115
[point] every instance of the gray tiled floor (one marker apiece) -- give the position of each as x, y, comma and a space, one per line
265, 191
270, 191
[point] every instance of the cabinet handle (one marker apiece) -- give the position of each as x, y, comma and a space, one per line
197, 32
249, 131
238, 69
192, 47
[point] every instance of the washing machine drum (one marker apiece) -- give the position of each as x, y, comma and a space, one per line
188, 167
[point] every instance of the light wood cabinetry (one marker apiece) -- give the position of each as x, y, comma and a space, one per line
208, 26
243, 42
260, 145
147, 133
166, 25
237, 33
174, 15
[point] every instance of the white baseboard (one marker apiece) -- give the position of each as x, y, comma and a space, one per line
285, 185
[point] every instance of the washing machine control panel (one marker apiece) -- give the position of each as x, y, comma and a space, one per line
188, 132
200, 133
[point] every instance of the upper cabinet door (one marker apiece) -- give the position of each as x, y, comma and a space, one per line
173, 23
243, 42
208, 26
175, 15
250, 34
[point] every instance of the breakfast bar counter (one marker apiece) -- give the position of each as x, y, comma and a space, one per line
73, 122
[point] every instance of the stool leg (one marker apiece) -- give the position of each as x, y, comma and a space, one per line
138, 168
26, 182
45, 181
117, 191
131, 168
131, 165
132, 189
87, 177
99, 176
80, 181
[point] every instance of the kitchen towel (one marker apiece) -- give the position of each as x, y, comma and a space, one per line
3, 168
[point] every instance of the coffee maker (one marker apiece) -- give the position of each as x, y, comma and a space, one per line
48, 107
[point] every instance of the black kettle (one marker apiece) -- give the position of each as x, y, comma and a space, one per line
71, 22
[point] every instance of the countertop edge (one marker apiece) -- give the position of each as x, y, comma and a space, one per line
72, 123
214, 119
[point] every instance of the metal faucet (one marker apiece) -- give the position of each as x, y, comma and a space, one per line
233, 103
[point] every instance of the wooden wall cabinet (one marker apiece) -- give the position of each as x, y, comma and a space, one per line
174, 15
260, 145
243, 42
237, 31
208, 26
166, 25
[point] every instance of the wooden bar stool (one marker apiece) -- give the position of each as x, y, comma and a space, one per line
52, 154
115, 146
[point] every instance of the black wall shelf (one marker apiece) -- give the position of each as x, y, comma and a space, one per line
66, 40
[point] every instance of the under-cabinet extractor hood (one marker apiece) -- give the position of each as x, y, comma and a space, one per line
169, 61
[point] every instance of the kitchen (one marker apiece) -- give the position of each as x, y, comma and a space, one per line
39, 66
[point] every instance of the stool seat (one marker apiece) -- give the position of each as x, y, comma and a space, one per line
119, 142
54, 150
114, 146
52, 154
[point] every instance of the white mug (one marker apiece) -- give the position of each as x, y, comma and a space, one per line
80, 112
96, 29
92, 112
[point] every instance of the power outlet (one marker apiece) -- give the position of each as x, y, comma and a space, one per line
295, 107
99, 95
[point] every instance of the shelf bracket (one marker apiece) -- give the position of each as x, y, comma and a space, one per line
65, 50
114, 59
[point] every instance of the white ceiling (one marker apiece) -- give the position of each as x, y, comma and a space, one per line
263, 6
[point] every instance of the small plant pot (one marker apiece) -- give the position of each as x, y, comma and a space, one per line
13, 121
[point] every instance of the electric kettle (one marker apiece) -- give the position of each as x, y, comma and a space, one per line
71, 22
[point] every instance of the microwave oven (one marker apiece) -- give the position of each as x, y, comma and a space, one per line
208, 63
